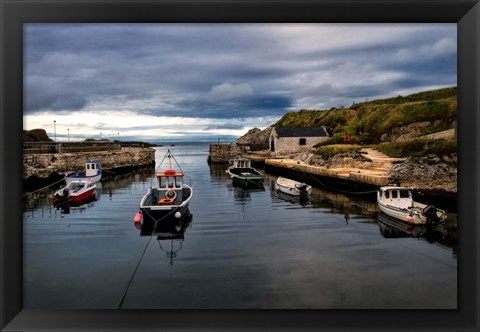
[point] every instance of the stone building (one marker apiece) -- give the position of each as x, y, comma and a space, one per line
290, 140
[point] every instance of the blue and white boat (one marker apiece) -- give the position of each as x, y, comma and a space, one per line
93, 173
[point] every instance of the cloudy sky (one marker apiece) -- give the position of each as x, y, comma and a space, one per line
160, 82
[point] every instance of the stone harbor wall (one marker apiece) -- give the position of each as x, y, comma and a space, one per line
43, 165
223, 152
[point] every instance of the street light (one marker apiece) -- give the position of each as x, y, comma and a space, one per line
68, 130
55, 130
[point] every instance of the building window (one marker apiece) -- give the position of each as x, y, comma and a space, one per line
303, 141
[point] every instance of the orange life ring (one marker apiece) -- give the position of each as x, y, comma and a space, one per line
169, 198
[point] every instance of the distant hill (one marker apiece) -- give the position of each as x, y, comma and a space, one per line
382, 120
36, 135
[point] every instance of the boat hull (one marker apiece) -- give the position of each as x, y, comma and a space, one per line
82, 196
293, 188
159, 212
75, 197
244, 181
167, 228
153, 213
81, 176
411, 216
245, 177
401, 215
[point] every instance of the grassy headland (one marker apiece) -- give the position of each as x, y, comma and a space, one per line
376, 121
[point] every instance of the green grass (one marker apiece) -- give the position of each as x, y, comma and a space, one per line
418, 148
367, 122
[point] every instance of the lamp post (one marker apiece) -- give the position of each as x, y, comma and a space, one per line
55, 130
68, 130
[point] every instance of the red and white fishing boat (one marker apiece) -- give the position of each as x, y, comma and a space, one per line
75, 191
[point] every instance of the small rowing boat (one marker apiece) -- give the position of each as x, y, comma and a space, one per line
292, 187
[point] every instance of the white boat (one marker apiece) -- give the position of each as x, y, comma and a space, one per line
93, 173
397, 202
75, 191
168, 198
292, 187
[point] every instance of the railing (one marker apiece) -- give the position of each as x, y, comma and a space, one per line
69, 147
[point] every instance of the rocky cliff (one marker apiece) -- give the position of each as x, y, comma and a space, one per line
36, 135
427, 173
256, 136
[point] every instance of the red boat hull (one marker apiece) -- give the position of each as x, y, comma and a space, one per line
76, 197
82, 196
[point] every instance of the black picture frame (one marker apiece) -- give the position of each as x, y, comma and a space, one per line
466, 13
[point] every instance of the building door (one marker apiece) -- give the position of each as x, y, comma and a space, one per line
272, 144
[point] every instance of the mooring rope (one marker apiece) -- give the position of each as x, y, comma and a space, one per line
51, 184
343, 191
122, 299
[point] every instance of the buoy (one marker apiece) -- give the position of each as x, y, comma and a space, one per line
410, 218
138, 217
178, 214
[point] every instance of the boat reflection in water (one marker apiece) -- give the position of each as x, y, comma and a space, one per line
170, 233
81, 205
299, 199
444, 234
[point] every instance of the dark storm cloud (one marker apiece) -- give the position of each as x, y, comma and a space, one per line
228, 71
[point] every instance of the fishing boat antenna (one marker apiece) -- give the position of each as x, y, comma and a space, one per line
170, 156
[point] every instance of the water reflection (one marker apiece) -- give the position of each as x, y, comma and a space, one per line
328, 201
81, 205
393, 228
41, 201
218, 172
300, 199
170, 234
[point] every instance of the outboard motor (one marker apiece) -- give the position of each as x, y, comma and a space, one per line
303, 189
65, 194
430, 212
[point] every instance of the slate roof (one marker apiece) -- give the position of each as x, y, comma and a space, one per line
302, 132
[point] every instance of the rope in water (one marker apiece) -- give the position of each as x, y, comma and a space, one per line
122, 299
51, 184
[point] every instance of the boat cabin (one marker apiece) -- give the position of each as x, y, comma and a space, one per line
242, 163
169, 183
399, 197
91, 168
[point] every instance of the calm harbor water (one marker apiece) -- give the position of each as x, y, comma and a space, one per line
243, 249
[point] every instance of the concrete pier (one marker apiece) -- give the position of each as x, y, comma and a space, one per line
366, 176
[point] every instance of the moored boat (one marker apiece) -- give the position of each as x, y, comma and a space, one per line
292, 187
397, 202
92, 172
169, 197
243, 174
75, 191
